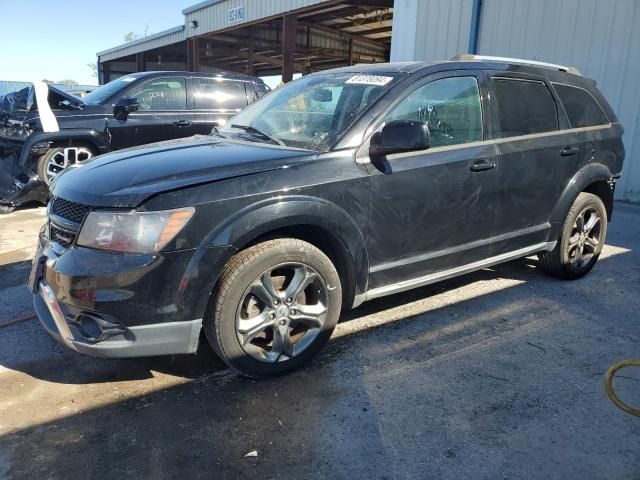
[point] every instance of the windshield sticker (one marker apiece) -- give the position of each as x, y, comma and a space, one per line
369, 80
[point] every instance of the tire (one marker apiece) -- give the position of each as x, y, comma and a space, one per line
243, 298
578, 236
59, 158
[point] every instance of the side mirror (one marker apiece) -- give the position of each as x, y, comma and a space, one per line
397, 137
124, 106
322, 95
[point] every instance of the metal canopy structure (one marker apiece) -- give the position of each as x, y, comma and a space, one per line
262, 37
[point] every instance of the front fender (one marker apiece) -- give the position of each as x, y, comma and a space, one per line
269, 215
590, 173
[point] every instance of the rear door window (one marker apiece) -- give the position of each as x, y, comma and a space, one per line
582, 109
522, 107
218, 94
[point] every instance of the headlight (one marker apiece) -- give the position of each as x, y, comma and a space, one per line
138, 232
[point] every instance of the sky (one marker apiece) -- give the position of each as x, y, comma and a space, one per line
55, 40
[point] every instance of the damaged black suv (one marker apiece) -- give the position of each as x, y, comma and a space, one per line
340, 187
41, 135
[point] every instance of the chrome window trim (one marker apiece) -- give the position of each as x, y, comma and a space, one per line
496, 141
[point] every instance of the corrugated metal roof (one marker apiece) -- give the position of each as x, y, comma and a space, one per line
214, 15
160, 39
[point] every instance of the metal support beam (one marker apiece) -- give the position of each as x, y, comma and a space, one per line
193, 55
140, 62
475, 26
250, 69
106, 72
289, 28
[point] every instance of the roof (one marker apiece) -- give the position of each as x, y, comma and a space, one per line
148, 38
539, 68
229, 75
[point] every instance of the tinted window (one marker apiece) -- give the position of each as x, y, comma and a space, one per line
210, 93
450, 107
161, 94
99, 95
523, 107
582, 109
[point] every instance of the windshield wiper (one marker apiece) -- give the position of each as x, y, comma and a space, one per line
259, 133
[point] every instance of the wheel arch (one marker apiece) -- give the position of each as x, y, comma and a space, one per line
593, 178
91, 137
314, 220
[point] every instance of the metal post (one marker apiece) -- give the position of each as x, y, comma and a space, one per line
475, 26
106, 72
250, 69
193, 55
289, 27
140, 62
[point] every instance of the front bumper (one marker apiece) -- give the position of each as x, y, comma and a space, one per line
109, 304
143, 341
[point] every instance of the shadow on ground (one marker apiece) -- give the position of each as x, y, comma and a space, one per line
497, 374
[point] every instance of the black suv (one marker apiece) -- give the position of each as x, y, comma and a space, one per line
340, 187
136, 109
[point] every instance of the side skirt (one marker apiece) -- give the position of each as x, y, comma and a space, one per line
453, 272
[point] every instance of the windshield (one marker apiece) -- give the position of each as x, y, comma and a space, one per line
99, 95
311, 112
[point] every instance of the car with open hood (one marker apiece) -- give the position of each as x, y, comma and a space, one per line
340, 187
44, 130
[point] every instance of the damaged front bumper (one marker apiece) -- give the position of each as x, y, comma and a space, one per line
18, 184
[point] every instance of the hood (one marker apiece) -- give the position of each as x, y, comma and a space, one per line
17, 106
59, 100
128, 177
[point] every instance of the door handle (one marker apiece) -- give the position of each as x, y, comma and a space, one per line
568, 151
182, 123
481, 165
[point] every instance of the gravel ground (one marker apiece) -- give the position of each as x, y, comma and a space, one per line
497, 374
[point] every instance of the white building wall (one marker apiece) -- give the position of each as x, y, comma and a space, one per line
600, 37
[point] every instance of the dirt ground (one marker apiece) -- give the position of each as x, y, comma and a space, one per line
497, 374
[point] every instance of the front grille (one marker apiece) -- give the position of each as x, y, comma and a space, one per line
72, 211
60, 236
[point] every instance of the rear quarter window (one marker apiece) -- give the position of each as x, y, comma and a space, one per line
523, 107
582, 109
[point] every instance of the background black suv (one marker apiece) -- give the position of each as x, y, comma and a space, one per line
133, 110
340, 187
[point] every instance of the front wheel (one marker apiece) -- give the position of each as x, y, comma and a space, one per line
59, 158
275, 306
581, 240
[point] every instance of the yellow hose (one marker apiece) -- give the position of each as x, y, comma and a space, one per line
608, 385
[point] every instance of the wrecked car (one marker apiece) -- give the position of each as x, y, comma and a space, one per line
338, 188
45, 130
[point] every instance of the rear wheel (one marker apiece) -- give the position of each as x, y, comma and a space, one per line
581, 240
58, 158
276, 305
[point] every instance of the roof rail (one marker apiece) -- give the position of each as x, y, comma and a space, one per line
466, 57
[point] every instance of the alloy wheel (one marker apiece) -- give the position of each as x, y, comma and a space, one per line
65, 157
585, 238
282, 312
